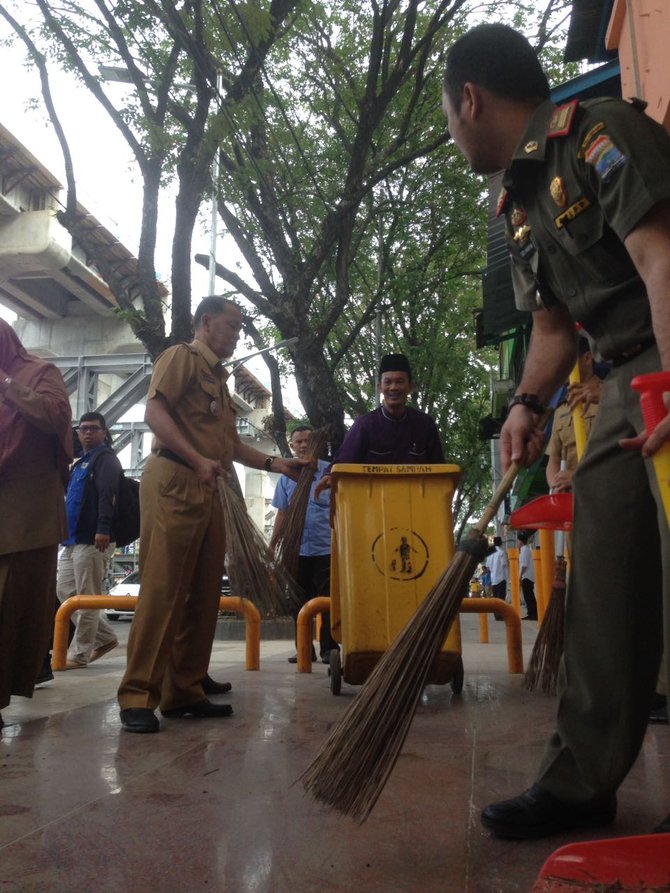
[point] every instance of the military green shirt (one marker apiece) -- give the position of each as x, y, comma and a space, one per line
583, 176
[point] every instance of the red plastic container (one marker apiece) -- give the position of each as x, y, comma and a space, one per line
552, 512
624, 865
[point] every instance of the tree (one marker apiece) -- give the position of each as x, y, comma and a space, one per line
357, 225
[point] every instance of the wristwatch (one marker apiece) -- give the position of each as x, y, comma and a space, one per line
267, 465
530, 401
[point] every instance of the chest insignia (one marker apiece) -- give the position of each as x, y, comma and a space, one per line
531, 146
573, 211
522, 234
604, 157
518, 217
502, 201
593, 132
560, 123
214, 407
558, 191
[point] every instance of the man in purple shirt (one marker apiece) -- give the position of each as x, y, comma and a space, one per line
394, 433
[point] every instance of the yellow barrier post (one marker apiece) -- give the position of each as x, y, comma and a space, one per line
539, 590
548, 560
483, 628
513, 556
512, 626
304, 623
128, 602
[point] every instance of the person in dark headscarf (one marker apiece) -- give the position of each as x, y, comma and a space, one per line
35, 452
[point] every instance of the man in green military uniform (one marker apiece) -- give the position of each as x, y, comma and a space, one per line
586, 200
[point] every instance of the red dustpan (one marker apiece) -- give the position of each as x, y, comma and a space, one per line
625, 864
552, 512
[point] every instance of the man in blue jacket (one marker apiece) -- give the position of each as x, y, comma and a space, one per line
83, 563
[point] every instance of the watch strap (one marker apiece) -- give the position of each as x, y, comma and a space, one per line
530, 401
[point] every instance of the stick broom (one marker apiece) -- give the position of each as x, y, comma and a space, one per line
252, 569
355, 761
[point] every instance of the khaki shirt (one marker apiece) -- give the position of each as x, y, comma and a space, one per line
583, 176
562, 443
192, 381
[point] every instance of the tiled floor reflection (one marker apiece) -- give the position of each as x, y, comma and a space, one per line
212, 806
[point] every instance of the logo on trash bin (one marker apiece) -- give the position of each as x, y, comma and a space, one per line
400, 554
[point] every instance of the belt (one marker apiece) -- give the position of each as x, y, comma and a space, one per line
632, 352
168, 454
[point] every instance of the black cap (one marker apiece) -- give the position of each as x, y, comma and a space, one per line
395, 362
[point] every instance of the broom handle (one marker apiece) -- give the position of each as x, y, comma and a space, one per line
491, 509
505, 485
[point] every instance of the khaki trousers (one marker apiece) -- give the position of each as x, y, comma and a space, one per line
81, 571
618, 584
182, 555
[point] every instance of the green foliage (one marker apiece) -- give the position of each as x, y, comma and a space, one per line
359, 228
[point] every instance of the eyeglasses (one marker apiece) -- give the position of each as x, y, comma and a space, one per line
88, 429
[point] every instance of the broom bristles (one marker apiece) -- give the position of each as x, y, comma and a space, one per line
542, 672
355, 761
251, 567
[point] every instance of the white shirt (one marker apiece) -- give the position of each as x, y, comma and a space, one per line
498, 564
526, 563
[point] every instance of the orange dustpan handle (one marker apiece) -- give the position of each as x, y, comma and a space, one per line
651, 388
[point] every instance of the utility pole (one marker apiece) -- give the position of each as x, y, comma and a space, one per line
215, 195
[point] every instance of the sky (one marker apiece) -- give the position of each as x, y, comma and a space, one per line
107, 183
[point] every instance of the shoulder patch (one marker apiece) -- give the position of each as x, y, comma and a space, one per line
605, 157
590, 136
502, 201
560, 123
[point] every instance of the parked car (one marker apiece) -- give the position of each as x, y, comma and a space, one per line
130, 585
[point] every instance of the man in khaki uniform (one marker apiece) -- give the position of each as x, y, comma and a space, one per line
562, 446
586, 201
182, 539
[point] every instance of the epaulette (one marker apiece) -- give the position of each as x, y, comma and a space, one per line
560, 123
502, 201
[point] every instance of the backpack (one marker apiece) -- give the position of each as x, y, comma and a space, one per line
126, 526
127, 517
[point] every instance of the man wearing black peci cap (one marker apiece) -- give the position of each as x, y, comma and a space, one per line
394, 433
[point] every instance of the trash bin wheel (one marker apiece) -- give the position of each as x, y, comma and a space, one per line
457, 678
335, 671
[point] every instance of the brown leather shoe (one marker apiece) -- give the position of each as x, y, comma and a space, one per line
103, 649
74, 665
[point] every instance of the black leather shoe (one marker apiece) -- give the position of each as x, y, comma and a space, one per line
659, 717
659, 710
139, 719
212, 687
664, 827
294, 658
201, 709
537, 813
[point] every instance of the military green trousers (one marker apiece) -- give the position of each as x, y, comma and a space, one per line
619, 581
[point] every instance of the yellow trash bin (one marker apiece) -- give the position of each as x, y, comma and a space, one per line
392, 540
